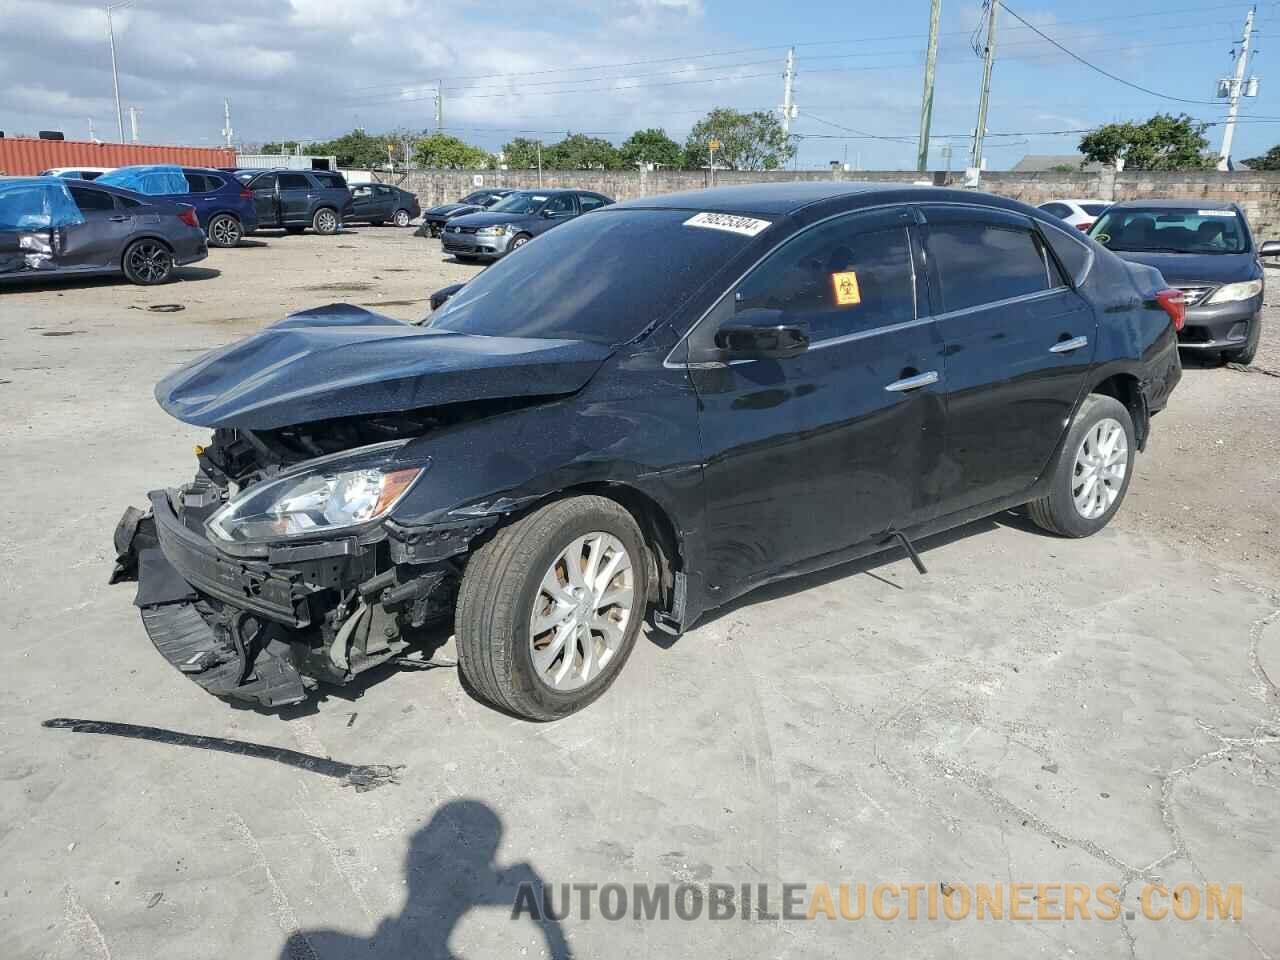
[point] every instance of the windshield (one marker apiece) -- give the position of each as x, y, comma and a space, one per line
519, 202
602, 278
1165, 230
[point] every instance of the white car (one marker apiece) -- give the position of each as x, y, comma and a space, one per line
1078, 213
76, 173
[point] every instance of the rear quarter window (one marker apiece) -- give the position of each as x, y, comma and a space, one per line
1074, 255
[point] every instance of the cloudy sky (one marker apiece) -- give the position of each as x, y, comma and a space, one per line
317, 68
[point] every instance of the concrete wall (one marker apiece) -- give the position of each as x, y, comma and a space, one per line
1257, 192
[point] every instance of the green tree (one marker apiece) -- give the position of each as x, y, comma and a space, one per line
577, 151
443, 152
1164, 142
748, 141
651, 146
1268, 161
357, 149
521, 154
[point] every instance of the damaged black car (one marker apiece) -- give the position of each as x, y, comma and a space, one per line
647, 413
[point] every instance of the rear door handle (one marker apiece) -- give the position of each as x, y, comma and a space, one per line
1066, 346
913, 383
119, 219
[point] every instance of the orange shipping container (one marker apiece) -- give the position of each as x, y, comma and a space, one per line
24, 157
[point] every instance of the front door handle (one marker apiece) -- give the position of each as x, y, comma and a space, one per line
913, 383
119, 219
1066, 346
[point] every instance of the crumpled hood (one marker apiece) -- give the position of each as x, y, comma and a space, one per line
1187, 268
342, 361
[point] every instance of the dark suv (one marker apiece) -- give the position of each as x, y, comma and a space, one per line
297, 199
644, 414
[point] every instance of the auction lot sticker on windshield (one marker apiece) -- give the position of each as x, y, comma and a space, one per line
747, 226
1215, 213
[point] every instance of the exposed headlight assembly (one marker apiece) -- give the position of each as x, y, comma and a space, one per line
314, 501
494, 231
1233, 292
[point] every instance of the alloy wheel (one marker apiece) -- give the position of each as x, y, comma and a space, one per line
224, 232
585, 602
149, 261
402, 218
326, 221
1102, 462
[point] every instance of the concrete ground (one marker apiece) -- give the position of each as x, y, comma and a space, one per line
1034, 710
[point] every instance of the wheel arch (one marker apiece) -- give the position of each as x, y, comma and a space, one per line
1126, 387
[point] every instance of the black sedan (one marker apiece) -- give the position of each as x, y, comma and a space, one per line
53, 226
1206, 250
433, 220
643, 415
379, 203
515, 220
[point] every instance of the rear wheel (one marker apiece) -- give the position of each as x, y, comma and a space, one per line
1093, 470
225, 230
147, 262
325, 221
402, 218
550, 608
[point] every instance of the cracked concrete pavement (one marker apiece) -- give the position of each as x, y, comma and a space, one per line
1033, 710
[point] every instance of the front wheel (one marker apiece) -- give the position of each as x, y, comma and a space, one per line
1093, 470
1244, 356
550, 608
147, 262
325, 221
225, 230
520, 240
402, 218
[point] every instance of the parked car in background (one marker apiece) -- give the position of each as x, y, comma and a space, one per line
378, 203
223, 205
643, 415
76, 173
1079, 213
298, 199
433, 220
1205, 249
51, 226
515, 220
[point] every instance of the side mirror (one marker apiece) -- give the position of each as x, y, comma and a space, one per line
759, 334
548, 214
1270, 248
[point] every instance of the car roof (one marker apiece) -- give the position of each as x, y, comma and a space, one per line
1163, 204
548, 191
782, 199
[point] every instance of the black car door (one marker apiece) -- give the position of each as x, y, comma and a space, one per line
263, 188
362, 202
1019, 343
295, 193
99, 241
559, 208
841, 443
384, 201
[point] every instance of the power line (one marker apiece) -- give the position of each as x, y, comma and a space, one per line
1092, 66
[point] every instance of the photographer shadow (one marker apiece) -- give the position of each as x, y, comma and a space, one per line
451, 869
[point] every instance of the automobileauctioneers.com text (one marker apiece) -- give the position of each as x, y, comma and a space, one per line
1049, 901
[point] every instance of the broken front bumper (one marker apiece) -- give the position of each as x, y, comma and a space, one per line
265, 629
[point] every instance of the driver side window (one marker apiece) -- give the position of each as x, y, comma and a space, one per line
560, 206
837, 278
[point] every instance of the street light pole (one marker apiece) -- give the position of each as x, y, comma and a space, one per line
115, 75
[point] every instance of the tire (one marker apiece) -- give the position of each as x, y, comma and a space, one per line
225, 231
518, 241
435, 231
147, 262
325, 221
1244, 356
1058, 512
504, 580
401, 218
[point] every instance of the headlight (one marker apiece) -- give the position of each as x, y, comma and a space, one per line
312, 502
497, 231
1233, 292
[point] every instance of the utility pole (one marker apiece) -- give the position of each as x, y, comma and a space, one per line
226, 120
926, 101
988, 57
92, 138
115, 74
788, 108
439, 106
1235, 91
539, 142
133, 122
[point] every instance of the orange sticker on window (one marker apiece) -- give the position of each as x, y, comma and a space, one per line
846, 287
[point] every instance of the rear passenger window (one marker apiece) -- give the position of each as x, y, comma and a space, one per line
984, 262
293, 181
838, 279
88, 200
588, 201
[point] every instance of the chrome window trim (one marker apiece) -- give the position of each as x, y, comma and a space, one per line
671, 364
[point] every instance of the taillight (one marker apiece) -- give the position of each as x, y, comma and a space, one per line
1086, 225
188, 216
246, 194
1174, 303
